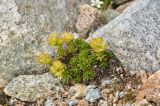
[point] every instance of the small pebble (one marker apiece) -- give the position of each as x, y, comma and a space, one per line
73, 102
92, 95
106, 82
90, 87
121, 95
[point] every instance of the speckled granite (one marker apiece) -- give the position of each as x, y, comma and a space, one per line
32, 87
134, 36
24, 26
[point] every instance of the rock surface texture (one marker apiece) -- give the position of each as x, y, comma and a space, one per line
134, 36
23, 29
151, 88
32, 87
88, 19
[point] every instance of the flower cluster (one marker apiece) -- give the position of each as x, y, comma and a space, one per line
76, 59
58, 68
55, 39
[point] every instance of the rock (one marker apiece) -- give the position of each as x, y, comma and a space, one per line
134, 35
41, 101
106, 82
121, 94
24, 26
128, 104
83, 102
73, 102
143, 102
78, 90
102, 103
121, 8
117, 97
90, 87
92, 95
110, 14
132, 73
31, 87
49, 102
89, 18
105, 93
151, 88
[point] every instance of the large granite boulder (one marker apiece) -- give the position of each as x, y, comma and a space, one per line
32, 87
24, 26
134, 36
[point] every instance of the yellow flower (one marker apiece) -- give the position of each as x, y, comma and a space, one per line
98, 44
53, 39
59, 40
68, 37
44, 58
58, 68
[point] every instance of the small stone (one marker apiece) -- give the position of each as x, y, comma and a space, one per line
121, 94
73, 102
40, 102
49, 102
83, 102
122, 75
78, 90
117, 97
106, 82
117, 94
90, 87
143, 102
89, 18
59, 103
111, 97
128, 104
129, 86
92, 95
105, 93
102, 103
114, 104
132, 73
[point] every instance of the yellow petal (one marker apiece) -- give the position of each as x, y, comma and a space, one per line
68, 36
53, 39
98, 44
44, 58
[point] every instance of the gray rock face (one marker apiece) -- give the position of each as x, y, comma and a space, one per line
32, 87
24, 26
134, 36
